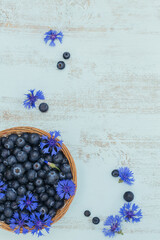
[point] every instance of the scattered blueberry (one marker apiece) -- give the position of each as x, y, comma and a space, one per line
95, 220
128, 196
115, 173
66, 55
60, 65
43, 107
87, 213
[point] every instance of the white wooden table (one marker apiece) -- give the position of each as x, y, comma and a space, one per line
106, 102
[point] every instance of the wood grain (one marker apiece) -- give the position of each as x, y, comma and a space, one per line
105, 102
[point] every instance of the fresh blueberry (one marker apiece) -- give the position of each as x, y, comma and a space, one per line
9, 144
16, 150
11, 194
18, 199
8, 212
62, 176
36, 166
34, 139
55, 185
21, 156
51, 192
48, 158
69, 175
8, 174
5, 153
66, 168
23, 180
7, 204
52, 213
20, 142
3, 199
41, 160
115, 173
95, 220
50, 202
2, 168
15, 184
14, 205
3, 139
43, 107
2, 217
43, 210
1, 176
32, 174
65, 160
38, 182
34, 155
58, 158
7, 220
41, 173
11, 160
30, 186
66, 55
1, 208
60, 65
27, 148
13, 137
87, 213
46, 168
59, 204
128, 196
27, 165
21, 190
25, 136
9, 184
52, 176
18, 170
57, 197
40, 189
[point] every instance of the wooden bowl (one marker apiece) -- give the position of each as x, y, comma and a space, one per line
19, 130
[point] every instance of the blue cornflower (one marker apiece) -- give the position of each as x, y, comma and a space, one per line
126, 175
131, 213
52, 36
38, 222
3, 188
66, 188
19, 222
28, 202
113, 226
51, 144
32, 98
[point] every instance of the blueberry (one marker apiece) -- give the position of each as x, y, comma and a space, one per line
58, 158
66, 168
66, 55
23, 180
27, 165
95, 220
15, 184
43, 210
46, 168
11, 194
41, 173
11, 160
30, 186
9, 144
51, 192
34, 139
87, 213
115, 173
34, 155
5, 153
1, 208
59, 204
21, 190
1, 176
2, 217
52, 213
128, 196
3, 199
38, 182
7, 220
50, 202
65, 160
3, 139
27, 148
55, 185
20, 142
9, 184
69, 176
7, 204
32, 174
62, 176
21, 156
5, 162
36, 166
40, 190
43, 107
43, 197
41, 160
13, 137
25, 136
8, 212
48, 158
52, 176
57, 197
60, 65
16, 150
18, 199
18, 170
2, 168
1, 160
14, 205
8, 174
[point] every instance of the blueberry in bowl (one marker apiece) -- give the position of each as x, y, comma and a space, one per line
37, 179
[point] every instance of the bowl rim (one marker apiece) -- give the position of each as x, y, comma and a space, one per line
61, 212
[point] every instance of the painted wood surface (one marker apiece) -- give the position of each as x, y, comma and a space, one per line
105, 102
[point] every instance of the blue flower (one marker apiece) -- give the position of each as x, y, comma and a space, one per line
32, 98
38, 222
126, 175
19, 222
28, 202
52, 36
51, 144
113, 226
131, 212
3, 188
66, 188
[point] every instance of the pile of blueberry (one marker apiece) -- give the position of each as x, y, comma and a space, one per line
23, 171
